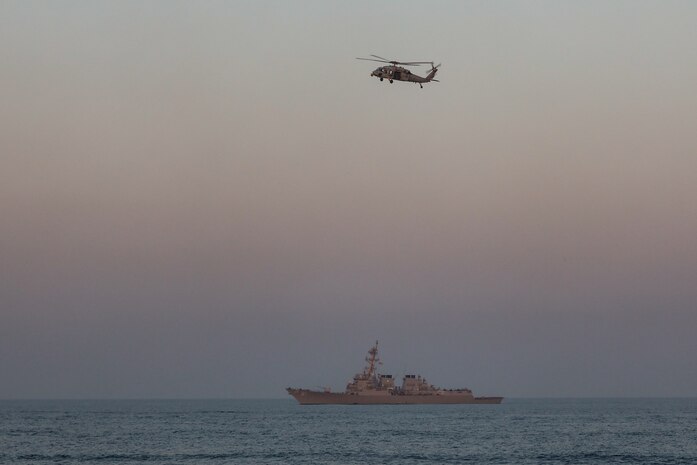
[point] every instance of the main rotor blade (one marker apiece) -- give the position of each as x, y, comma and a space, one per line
370, 59
395, 62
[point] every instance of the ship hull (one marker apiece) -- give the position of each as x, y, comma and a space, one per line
308, 397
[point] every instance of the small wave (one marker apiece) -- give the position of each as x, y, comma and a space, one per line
126, 457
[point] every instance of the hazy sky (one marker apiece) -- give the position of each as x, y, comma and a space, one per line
217, 200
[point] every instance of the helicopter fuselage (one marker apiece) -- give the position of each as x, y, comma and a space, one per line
396, 73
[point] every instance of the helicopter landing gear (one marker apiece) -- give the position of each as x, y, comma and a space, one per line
421, 85
391, 81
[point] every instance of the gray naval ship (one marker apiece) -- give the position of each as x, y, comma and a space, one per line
369, 387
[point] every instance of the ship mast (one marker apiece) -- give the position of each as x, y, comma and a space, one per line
373, 360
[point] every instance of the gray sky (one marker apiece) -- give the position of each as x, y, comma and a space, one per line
216, 200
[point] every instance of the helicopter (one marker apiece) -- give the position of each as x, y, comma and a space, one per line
394, 72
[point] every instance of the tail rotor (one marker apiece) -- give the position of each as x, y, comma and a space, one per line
434, 70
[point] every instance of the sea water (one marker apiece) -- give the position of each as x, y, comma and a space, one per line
519, 431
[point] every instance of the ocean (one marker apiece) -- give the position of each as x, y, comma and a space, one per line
519, 431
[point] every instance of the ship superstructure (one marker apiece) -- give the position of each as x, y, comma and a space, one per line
371, 387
